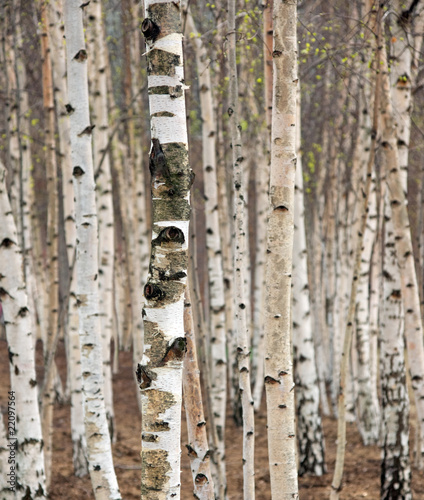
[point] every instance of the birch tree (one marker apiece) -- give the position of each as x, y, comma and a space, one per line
99, 452
214, 252
50, 340
159, 373
198, 449
404, 249
278, 359
395, 466
30, 476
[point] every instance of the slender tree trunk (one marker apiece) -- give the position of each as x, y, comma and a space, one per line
404, 250
395, 466
336, 484
198, 449
99, 450
261, 186
28, 441
240, 257
52, 242
159, 373
278, 357
367, 405
104, 200
217, 333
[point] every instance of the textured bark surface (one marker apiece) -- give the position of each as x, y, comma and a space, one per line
342, 401
217, 333
159, 372
99, 450
404, 249
278, 357
241, 299
100, 118
24, 427
395, 466
198, 449
52, 241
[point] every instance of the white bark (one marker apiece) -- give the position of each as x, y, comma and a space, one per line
241, 299
198, 449
6, 491
278, 357
217, 333
29, 465
404, 250
99, 451
367, 405
396, 471
100, 116
159, 373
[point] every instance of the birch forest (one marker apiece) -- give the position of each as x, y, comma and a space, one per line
211, 249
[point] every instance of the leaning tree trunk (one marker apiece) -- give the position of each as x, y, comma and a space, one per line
214, 253
99, 450
336, 484
27, 440
198, 449
159, 373
278, 357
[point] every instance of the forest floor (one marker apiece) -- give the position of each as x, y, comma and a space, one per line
362, 466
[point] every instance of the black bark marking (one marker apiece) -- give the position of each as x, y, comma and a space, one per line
143, 377
7, 242
175, 351
81, 55
87, 131
201, 479
153, 292
271, 380
150, 30
77, 172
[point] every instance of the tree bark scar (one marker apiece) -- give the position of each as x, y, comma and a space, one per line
175, 351
150, 30
142, 377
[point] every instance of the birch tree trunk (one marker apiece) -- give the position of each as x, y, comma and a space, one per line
367, 405
395, 467
214, 251
99, 450
242, 302
160, 371
261, 186
278, 357
28, 441
336, 484
198, 449
101, 157
52, 241
404, 249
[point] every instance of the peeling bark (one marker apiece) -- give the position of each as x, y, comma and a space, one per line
159, 373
